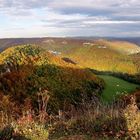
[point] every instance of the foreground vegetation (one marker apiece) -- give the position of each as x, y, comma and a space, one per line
93, 120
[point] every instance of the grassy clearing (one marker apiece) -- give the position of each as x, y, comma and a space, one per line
115, 87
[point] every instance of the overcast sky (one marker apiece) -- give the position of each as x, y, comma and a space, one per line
38, 18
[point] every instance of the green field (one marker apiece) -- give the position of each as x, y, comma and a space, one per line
114, 87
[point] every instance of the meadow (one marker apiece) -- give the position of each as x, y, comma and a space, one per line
116, 87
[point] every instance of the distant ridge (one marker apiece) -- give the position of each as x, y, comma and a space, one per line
135, 40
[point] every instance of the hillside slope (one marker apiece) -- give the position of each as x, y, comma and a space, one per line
123, 47
36, 70
100, 54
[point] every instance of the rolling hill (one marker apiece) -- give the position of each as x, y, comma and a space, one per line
99, 54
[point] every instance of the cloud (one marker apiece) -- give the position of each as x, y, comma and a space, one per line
111, 22
70, 17
23, 4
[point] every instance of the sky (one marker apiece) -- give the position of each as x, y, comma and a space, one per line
62, 18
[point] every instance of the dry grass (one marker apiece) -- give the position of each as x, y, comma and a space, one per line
90, 121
